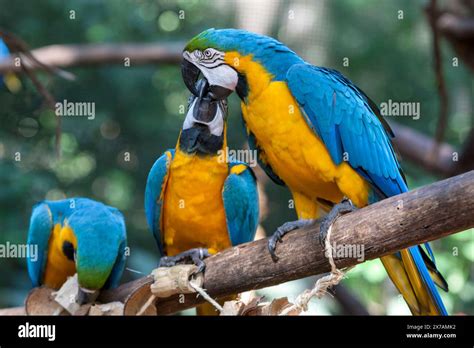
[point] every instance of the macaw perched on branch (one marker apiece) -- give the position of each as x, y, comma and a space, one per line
10, 80
196, 203
77, 235
317, 133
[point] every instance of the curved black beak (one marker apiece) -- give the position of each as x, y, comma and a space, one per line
190, 74
203, 129
205, 108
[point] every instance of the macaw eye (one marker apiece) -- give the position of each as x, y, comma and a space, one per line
207, 53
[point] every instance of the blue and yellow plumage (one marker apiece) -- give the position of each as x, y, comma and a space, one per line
317, 133
194, 198
194, 202
77, 235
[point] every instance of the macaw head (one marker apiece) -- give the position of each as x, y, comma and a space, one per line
93, 236
226, 58
101, 237
203, 130
203, 54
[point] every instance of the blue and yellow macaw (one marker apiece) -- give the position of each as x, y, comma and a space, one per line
318, 134
10, 80
77, 235
196, 202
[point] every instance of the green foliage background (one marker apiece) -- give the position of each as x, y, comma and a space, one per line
137, 111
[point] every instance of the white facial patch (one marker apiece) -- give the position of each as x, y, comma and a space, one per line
216, 125
222, 75
212, 65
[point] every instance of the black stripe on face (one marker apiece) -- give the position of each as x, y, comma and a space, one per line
212, 64
209, 58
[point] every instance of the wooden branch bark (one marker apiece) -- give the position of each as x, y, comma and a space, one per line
425, 214
466, 158
66, 56
13, 311
415, 217
456, 24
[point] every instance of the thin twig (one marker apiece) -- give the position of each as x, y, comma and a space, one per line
74, 55
50, 102
19, 47
440, 81
415, 217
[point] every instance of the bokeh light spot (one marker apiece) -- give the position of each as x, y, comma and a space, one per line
110, 129
28, 127
168, 21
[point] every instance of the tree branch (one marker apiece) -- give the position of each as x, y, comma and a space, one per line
466, 158
66, 56
456, 24
412, 218
13, 311
417, 147
415, 217
20, 49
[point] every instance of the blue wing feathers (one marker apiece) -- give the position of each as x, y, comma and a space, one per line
240, 196
39, 232
101, 239
333, 105
101, 233
348, 124
118, 268
153, 195
120, 261
353, 124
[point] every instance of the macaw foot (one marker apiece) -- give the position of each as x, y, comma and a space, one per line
282, 230
196, 255
342, 208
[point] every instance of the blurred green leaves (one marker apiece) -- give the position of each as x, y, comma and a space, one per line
138, 116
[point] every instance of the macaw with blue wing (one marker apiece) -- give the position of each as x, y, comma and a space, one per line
77, 235
196, 202
10, 80
318, 134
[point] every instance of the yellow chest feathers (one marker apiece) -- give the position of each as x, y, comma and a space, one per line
193, 212
293, 150
58, 265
